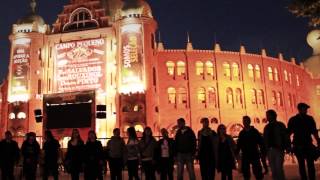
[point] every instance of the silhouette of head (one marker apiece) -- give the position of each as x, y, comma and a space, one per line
116, 132
271, 115
246, 121
303, 108
205, 122
164, 133
181, 123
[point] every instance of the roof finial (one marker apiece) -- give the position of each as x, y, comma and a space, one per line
189, 44
160, 45
33, 5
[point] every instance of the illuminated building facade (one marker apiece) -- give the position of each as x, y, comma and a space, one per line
106, 49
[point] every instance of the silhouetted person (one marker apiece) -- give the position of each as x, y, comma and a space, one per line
147, 147
93, 158
51, 149
226, 153
116, 149
303, 126
185, 148
30, 151
9, 156
74, 156
251, 144
207, 154
276, 141
132, 154
165, 156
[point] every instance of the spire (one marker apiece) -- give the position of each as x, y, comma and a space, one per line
160, 45
33, 5
189, 43
263, 52
242, 50
217, 47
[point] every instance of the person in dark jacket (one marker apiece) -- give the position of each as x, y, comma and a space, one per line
116, 149
9, 156
303, 127
74, 156
147, 147
30, 151
165, 156
185, 148
132, 154
226, 153
207, 150
276, 141
51, 148
251, 145
93, 158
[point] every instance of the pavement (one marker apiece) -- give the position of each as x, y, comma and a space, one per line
291, 171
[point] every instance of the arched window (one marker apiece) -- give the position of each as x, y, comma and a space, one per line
226, 70
279, 99
171, 95
80, 19
199, 68
181, 68
250, 71
238, 97
318, 90
270, 73
229, 97
260, 95
209, 68
274, 98
290, 100
258, 72
138, 108
182, 96
235, 71
290, 78
170, 67
276, 74
285, 75
201, 95
212, 96
298, 80
253, 96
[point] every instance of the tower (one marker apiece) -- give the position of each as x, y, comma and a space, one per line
135, 29
25, 73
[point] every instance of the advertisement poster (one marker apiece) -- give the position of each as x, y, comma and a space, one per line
80, 65
132, 63
20, 67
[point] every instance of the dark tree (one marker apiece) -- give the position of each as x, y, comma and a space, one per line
308, 9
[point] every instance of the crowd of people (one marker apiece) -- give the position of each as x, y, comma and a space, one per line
215, 151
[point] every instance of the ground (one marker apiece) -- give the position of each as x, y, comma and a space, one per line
291, 171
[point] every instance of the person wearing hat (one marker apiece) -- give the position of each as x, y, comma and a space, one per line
303, 126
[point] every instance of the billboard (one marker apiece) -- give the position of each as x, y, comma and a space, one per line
80, 65
132, 61
20, 69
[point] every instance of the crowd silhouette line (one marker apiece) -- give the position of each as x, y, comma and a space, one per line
216, 152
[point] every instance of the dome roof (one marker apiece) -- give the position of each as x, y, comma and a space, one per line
30, 19
313, 63
135, 7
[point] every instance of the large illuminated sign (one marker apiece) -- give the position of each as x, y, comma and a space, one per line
80, 65
132, 62
20, 70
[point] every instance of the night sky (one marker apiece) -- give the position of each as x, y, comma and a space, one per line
254, 23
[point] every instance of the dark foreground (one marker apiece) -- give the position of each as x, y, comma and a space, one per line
290, 169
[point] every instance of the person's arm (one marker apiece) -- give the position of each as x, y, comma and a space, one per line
194, 142
315, 132
239, 144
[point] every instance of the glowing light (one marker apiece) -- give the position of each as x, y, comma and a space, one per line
18, 98
12, 116
131, 28
138, 128
22, 41
21, 115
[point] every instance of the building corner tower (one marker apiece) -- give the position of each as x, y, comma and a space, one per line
137, 81
25, 73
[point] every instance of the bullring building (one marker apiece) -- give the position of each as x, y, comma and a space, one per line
98, 66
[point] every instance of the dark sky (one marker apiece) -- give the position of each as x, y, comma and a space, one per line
254, 23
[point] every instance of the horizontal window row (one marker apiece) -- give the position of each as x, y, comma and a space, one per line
179, 68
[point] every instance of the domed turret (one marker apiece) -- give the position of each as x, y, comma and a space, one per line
313, 63
133, 8
32, 17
